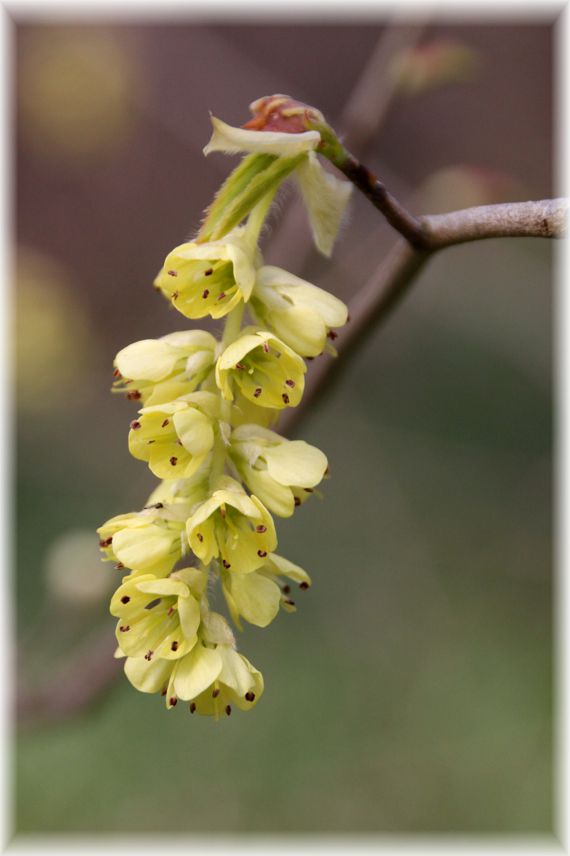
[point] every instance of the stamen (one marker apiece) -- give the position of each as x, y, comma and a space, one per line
241, 366
286, 589
216, 692
226, 565
209, 272
308, 490
221, 295
148, 655
124, 628
171, 611
192, 707
125, 598
266, 347
290, 383
153, 603
199, 536
289, 602
134, 395
173, 461
262, 554
135, 424
173, 701
174, 646
332, 335
257, 392
164, 691
107, 542
304, 585
119, 566
165, 423
249, 696
172, 273
261, 529
150, 442
116, 373
228, 709
175, 295
297, 502
285, 398
205, 293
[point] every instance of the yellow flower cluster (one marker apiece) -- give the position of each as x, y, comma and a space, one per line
203, 430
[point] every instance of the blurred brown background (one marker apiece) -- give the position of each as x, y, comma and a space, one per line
412, 690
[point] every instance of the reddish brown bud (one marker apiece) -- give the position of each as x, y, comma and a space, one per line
282, 113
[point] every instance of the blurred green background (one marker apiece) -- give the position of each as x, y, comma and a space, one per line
412, 691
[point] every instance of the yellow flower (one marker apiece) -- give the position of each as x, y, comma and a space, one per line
257, 596
155, 371
209, 278
282, 473
147, 541
301, 314
232, 525
175, 438
212, 676
265, 370
159, 618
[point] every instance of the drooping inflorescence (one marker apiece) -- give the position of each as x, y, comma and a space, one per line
204, 426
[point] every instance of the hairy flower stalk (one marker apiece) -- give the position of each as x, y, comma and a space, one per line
202, 427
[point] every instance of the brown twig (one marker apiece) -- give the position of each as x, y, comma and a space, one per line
397, 216
392, 279
546, 219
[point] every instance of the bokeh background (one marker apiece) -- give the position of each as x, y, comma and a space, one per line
412, 691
